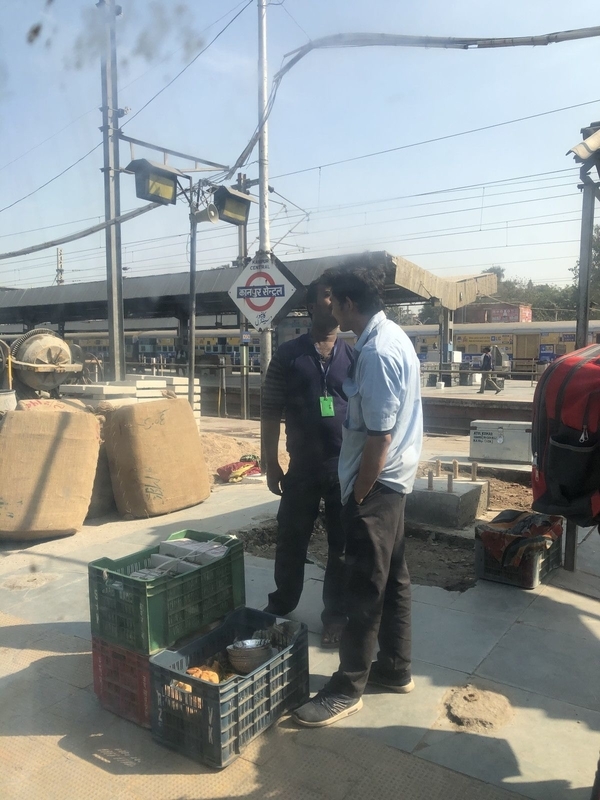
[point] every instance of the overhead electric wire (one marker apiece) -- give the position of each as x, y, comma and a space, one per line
382, 39
435, 140
411, 236
48, 182
189, 64
125, 86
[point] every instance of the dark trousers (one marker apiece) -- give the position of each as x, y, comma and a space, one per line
487, 377
378, 591
298, 510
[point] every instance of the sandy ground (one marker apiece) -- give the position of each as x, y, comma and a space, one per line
431, 562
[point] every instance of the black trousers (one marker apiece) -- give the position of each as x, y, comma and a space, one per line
378, 591
298, 510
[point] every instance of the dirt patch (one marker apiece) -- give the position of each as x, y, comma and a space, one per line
20, 583
220, 450
476, 710
430, 562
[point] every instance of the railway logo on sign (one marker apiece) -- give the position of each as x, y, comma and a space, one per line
263, 291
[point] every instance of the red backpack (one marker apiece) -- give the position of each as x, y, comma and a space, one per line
565, 438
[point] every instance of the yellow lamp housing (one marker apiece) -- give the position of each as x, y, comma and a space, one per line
154, 182
233, 206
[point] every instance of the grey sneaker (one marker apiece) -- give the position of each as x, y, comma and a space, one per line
325, 708
401, 684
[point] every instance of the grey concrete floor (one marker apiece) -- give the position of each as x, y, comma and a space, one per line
539, 648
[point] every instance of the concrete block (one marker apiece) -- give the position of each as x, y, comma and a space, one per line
456, 509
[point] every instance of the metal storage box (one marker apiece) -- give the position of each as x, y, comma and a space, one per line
495, 440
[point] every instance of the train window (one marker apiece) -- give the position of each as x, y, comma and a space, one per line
250, 349
423, 348
236, 348
228, 349
222, 340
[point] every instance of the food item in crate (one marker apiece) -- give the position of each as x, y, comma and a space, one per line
179, 697
205, 674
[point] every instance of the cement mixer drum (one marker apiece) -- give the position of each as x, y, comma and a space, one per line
42, 360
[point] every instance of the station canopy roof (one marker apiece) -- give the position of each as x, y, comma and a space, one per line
167, 295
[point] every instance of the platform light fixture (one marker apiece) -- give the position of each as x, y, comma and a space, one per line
232, 205
154, 182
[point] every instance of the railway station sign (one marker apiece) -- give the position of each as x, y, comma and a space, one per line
264, 291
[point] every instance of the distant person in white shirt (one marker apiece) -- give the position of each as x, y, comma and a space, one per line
381, 447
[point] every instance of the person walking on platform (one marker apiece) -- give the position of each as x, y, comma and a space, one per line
378, 463
486, 372
304, 384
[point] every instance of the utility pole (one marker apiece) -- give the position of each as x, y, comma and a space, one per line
60, 273
585, 260
264, 240
192, 307
244, 349
112, 201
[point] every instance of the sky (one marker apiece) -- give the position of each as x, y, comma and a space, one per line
456, 205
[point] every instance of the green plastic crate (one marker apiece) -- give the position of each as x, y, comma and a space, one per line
147, 616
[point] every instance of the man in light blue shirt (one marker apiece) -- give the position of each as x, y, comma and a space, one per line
381, 446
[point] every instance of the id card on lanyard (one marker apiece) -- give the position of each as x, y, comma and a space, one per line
325, 400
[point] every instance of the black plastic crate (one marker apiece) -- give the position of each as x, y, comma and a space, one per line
214, 722
534, 567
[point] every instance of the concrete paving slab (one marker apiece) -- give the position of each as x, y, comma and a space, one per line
559, 665
559, 610
453, 639
310, 606
434, 595
588, 555
547, 751
496, 600
259, 582
62, 603
400, 721
577, 582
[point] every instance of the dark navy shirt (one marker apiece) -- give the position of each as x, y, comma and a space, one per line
294, 384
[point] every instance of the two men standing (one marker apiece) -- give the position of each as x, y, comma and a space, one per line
304, 384
381, 445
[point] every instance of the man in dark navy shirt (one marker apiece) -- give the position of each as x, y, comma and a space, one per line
304, 384
486, 371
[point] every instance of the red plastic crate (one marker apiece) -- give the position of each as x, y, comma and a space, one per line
122, 681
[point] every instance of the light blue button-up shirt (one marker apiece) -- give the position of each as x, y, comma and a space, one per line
384, 395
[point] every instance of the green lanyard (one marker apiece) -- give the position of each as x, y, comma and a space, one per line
325, 401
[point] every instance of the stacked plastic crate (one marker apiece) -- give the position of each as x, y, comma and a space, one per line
140, 662
133, 618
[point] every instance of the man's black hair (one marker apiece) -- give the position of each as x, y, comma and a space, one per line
364, 286
312, 291
487, 349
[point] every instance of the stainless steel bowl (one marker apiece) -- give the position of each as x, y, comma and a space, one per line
247, 655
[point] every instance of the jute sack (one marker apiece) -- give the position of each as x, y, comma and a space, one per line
103, 501
43, 404
47, 467
155, 458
